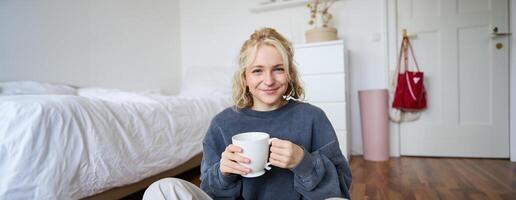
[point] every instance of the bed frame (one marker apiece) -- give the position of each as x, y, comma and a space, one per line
120, 192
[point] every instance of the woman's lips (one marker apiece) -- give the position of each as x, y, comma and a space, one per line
270, 91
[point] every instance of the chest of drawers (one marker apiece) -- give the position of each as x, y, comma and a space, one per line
324, 73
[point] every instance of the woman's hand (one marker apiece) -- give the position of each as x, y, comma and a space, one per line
229, 159
285, 154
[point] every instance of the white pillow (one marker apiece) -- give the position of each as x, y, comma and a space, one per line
33, 87
207, 81
116, 95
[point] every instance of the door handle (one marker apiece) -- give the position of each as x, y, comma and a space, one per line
495, 33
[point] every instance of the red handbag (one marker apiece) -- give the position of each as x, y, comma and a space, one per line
410, 93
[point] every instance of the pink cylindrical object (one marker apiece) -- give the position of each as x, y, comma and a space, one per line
374, 117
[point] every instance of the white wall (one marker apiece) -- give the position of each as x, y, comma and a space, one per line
126, 44
213, 31
512, 92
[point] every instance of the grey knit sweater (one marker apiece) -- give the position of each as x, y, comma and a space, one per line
323, 172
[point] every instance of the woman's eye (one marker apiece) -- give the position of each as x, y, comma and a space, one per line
279, 69
256, 71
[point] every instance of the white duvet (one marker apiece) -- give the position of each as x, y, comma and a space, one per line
70, 147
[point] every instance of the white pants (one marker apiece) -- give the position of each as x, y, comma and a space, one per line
174, 189
177, 189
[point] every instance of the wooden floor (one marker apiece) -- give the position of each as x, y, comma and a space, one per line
433, 178
423, 178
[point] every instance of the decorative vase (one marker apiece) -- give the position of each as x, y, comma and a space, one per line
321, 34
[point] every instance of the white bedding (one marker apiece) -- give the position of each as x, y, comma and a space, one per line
70, 147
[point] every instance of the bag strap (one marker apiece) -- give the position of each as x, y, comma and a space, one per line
410, 86
409, 81
394, 81
398, 66
405, 45
413, 55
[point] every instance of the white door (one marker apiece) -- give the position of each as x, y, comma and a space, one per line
466, 76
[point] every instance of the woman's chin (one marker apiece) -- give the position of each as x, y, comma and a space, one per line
267, 104
273, 100
275, 103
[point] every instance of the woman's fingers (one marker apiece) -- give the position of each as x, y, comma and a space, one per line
279, 157
285, 154
281, 151
277, 163
229, 161
282, 144
233, 148
233, 167
231, 154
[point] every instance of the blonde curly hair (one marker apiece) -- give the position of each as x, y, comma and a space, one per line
242, 98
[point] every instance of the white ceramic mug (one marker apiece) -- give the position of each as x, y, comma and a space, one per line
255, 146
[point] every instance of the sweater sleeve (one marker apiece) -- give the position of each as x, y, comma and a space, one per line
213, 182
324, 172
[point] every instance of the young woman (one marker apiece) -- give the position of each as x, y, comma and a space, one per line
306, 160
308, 163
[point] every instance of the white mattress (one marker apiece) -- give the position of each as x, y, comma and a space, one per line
70, 147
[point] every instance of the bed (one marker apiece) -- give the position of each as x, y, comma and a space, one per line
59, 142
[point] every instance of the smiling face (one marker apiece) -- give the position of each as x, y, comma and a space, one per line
266, 79
266, 72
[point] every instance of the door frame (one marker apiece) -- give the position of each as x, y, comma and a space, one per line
389, 36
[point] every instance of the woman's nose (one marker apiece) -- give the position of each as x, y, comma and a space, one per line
269, 79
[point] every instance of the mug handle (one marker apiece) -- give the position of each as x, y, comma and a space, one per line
268, 165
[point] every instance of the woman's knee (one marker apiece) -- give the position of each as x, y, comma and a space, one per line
169, 181
173, 188
163, 189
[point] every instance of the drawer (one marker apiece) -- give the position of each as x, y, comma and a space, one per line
328, 87
320, 59
336, 113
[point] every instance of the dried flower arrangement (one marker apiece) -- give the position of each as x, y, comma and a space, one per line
320, 7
